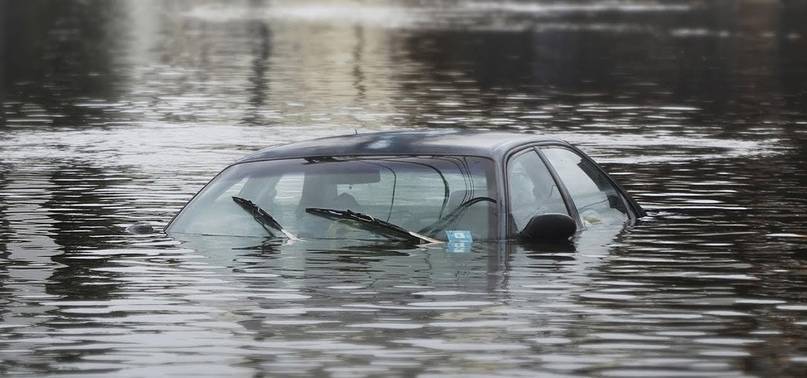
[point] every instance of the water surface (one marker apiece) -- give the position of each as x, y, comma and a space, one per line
117, 112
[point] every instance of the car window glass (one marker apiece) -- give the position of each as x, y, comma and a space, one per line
371, 198
417, 199
420, 192
596, 199
220, 217
532, 189
281, 197
414, 192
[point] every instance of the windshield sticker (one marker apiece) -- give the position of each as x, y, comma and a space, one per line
462, 236
459, 241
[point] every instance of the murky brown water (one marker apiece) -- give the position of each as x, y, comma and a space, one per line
116, 112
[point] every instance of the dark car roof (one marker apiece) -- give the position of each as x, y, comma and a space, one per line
423, 142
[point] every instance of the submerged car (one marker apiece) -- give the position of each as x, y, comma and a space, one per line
415, 186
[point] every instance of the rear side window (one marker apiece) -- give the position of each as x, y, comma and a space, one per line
598, 202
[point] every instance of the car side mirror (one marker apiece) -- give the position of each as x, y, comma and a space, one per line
548, 227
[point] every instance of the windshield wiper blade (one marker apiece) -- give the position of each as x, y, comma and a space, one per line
260, 215
369, 223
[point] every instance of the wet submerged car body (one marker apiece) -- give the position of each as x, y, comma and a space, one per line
421, 186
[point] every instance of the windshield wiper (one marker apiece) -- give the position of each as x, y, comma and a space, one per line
367, 222
260, 215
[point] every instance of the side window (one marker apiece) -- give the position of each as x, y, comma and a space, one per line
597, 201
532, 190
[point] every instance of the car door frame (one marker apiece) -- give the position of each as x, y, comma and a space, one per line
634, 210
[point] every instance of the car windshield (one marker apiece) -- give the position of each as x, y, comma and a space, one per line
426, 195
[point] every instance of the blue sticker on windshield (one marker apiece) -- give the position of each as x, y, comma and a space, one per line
459, 236
459, 241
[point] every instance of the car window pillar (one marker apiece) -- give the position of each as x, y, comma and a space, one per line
564, 192
631, 209
510, 226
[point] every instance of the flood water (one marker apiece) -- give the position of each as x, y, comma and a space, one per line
117, 112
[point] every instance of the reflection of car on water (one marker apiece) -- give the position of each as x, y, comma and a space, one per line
419, 186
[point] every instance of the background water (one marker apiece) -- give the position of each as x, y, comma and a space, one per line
116, 112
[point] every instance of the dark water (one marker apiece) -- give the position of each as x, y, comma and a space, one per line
116, 112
